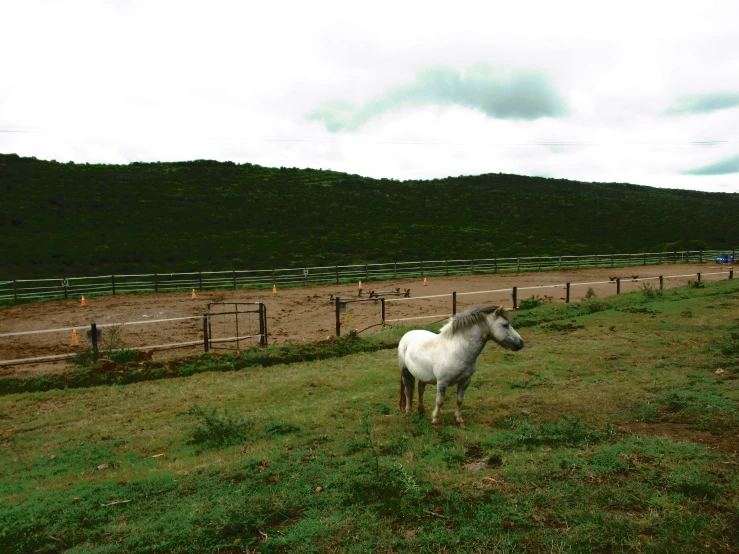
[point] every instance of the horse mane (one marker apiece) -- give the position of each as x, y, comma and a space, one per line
471, 317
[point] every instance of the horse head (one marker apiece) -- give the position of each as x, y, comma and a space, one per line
501, 331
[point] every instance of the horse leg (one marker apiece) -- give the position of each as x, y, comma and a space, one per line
421, 389
461, 387
440, 392
409, 382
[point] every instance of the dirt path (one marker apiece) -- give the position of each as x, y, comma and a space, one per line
296, 314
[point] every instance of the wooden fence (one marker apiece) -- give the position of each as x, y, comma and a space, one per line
20, 290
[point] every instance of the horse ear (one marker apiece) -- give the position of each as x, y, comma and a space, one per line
500, 311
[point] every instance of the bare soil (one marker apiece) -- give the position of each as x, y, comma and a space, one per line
298, 313
679, 432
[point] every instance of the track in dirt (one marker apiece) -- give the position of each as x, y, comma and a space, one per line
299, 313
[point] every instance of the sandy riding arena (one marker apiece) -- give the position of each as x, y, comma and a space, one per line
298, 313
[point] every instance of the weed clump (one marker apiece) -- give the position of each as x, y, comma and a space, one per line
277, 428
213, 431
535, 302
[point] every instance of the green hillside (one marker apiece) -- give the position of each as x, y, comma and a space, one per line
73, 219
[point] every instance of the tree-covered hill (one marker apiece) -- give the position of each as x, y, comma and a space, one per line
60, 219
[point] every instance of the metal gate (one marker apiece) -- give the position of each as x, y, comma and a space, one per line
229, 324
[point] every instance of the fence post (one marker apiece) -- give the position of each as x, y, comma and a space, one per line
366, 273
515, 297
699, 277
731, 274
661, 282
15, 292
518, 266
618, 285
233, 278
567, 299
338, 316
156, 284
337, 274
421, 268
701, 258
472, 266
395, 270
112, 282
94, 338
200, 281
64, 284
454, 303
263, 307
645, 259
611, 260
446, 268
206, 344
382, 311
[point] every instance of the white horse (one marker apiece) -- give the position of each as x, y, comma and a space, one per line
451, 356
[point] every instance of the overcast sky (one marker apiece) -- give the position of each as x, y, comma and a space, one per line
645, 92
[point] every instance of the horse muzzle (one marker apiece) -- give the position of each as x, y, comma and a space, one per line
516, 346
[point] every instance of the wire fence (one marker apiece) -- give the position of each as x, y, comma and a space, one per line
109, 337
441, 306
22, 290
195, 327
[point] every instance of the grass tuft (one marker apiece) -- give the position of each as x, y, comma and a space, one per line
214, 431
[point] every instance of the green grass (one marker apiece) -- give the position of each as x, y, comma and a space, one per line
315, 457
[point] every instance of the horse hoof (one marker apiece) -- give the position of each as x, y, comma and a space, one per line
461, 424
435, 424
407, 414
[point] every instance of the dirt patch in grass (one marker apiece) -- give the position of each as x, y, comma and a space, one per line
680, 432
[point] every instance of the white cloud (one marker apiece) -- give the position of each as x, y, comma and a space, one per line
165, 80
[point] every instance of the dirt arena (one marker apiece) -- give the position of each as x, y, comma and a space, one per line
295, 314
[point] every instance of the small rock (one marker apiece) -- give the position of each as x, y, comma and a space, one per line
720, 371
319, 489
102, 467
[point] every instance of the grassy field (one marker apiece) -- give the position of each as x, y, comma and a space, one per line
315, 457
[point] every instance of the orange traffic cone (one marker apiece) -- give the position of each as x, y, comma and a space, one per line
424, 282
82, 302
274, 289
359, 286
193, 293
75, 342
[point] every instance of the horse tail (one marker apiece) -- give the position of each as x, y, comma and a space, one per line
402, 395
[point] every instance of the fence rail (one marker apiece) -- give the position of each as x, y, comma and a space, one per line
21, 290
340, 307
